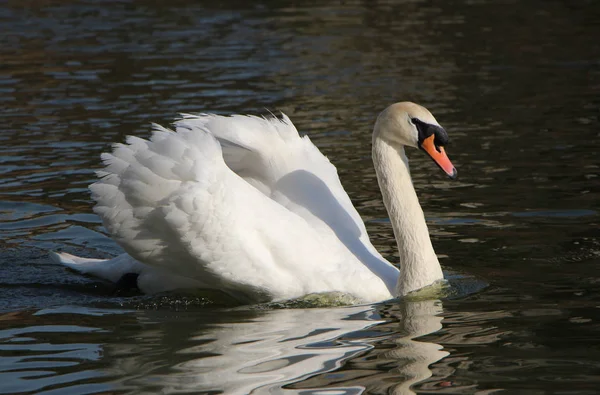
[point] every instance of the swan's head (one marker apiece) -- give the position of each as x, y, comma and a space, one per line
409, 124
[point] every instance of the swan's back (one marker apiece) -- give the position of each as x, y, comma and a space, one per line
239, 203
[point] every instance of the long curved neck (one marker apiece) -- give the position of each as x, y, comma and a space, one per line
419, 264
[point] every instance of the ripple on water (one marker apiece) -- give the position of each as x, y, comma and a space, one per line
40, 357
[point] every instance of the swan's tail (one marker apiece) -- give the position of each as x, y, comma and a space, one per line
126, 273
107, 269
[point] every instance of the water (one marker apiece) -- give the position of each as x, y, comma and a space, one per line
517, 86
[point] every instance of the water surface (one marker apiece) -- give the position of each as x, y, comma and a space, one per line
517, 86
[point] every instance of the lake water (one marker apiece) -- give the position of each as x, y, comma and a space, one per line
517, 86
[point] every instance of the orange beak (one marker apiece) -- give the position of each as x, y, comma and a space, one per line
439, 156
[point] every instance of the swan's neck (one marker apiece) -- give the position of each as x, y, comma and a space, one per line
419, 264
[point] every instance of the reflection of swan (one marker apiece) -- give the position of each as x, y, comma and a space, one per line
244, 205
277, 347
291, 348
420, 318
409, 360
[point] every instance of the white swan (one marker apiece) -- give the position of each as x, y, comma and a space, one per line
246, 206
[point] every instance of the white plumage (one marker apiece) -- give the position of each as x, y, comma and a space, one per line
240, 204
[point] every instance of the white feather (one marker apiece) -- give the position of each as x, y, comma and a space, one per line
244, 205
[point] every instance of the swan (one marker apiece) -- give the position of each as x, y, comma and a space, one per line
245, 206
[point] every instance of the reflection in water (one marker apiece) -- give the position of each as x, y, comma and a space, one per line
279, 347
407, 361
235, 352
419, 319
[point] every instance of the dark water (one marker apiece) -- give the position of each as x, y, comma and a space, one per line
516, 84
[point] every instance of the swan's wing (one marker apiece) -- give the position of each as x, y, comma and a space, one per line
173, 203
269, 154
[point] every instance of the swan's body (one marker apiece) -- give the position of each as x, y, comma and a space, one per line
244, 205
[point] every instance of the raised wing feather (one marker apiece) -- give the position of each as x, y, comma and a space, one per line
242, 204
269, 154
